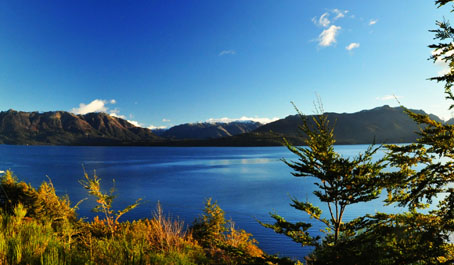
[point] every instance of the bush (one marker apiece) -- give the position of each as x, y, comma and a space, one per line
222, 241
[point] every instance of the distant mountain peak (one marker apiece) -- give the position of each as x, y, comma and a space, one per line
209, 130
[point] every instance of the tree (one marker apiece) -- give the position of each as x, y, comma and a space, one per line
340, 182
424, 171
421, 176
209, 228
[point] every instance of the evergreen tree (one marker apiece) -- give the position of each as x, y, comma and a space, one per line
423, 174
340, 182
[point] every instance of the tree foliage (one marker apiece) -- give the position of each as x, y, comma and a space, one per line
423, 172
420, 178
339, 181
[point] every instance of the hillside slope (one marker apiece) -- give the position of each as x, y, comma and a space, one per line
65, 128
382, 125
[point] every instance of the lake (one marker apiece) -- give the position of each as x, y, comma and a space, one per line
247, 183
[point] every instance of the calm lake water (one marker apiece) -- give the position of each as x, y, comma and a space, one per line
247, 183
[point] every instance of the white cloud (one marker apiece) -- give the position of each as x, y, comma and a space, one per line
135, 123
152, 127
165, 120
373, 22
445, 69
339, 13
100, 105
328, 36
116, 115
97, 105
388, 97
352, 46
227, 52
243, 118
322, 21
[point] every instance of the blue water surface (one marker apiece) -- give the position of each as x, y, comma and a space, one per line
248, 183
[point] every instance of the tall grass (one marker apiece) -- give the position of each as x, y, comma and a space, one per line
39, 227
165, 234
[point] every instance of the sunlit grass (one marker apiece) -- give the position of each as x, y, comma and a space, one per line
39, 227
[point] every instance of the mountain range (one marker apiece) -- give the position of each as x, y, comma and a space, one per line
65, 128
206, 130
382, 124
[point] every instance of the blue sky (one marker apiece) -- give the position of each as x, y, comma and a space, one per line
162, 63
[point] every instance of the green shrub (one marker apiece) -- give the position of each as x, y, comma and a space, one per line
222, 241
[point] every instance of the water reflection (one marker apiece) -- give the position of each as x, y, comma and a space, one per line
213, 162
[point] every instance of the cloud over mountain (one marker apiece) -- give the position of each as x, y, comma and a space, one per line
97, 105
101, 105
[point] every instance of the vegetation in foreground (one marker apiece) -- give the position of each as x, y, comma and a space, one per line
39, 227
